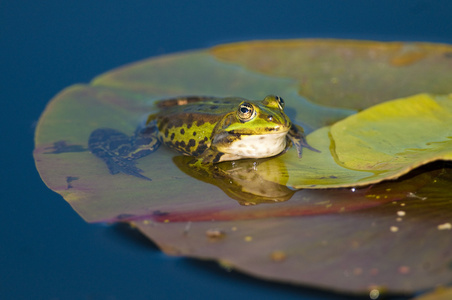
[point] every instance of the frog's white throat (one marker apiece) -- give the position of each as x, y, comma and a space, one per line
255, 146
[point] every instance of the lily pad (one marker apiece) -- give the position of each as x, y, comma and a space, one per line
247, 214
379, 143
399, 134
347, 73
398, 247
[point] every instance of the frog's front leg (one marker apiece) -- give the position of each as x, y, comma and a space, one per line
210, 156
119, 151
298, 139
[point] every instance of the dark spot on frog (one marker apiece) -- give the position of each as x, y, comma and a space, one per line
172, 136
182, 143
200, 150
214, 107
262, 137
166, 132
182, 131
333, 177
203, 141
191, 143
200, 122
194, 133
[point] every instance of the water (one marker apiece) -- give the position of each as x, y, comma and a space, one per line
48, 251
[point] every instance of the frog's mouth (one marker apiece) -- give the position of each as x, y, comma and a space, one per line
265, 131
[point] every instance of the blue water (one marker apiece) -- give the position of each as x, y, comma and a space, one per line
47, 251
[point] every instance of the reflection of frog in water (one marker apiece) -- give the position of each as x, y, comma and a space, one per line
246, 181
210, 129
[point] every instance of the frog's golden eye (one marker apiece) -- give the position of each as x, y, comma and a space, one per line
274, 101
246, 112
280, 102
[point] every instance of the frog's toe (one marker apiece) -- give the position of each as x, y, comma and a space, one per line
210, 157
299, 143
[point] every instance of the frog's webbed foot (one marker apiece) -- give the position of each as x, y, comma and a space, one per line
119, 151
210, 156
298, 139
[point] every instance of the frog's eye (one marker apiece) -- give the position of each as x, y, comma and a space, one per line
246, 112
274, 101
280, 102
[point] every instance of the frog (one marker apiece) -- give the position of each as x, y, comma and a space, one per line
209, 129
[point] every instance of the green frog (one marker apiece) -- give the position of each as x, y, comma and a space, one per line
210, 129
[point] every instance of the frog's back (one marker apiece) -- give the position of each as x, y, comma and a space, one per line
186, 124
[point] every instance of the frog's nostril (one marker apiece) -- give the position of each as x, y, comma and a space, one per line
270, 118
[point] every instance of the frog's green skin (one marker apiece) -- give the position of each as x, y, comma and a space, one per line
223, 129
210, 129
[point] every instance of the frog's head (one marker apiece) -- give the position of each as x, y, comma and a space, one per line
258, 117
256, 129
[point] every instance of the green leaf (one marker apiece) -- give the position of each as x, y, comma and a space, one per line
382, 142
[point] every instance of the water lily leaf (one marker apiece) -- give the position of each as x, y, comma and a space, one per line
399, 134
347, 73
391, 236
398, 247
380, 143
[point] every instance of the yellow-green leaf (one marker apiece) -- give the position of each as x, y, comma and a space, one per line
397, 135
382, 142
